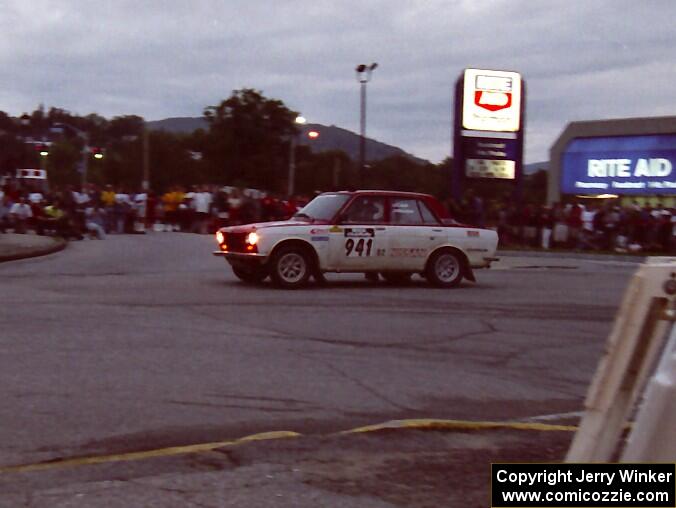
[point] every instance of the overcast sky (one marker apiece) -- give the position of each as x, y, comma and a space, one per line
581, 59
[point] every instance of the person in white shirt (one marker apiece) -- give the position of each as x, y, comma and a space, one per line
201, 204
140, 211
588, 219
95, 221
19, 215
35, 197
81, 198
123, 206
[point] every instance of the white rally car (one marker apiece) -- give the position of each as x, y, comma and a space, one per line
394, 234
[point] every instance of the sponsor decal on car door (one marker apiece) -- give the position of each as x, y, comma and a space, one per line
359, 242
408, 247
414, 233
357, 247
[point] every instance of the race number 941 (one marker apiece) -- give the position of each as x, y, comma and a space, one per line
361, 247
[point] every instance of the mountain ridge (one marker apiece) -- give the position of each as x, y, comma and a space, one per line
330, 137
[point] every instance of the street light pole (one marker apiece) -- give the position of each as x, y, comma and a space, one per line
146, 159
363, 76
85, 160
292, 158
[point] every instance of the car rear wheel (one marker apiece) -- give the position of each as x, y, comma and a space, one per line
445, 269
290, 268
253, 275
397, 277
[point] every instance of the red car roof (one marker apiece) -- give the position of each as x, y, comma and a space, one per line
385, 193
433, 202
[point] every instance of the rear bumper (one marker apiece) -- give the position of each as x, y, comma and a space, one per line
485, 262
488, 261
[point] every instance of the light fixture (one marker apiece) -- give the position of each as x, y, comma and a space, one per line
252, 238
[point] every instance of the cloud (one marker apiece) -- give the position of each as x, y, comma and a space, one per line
581, 60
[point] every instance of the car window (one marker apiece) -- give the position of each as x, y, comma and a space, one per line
406, 212
365, 210
323, 207
427, 215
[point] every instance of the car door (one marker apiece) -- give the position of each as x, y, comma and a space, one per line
414, 232
358, 242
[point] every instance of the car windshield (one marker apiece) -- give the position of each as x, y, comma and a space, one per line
323, 207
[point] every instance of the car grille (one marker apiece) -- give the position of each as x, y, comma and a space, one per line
236, 242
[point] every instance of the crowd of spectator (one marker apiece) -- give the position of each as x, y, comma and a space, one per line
591, 225
92, 211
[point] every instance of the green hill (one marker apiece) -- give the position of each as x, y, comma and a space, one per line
330, 138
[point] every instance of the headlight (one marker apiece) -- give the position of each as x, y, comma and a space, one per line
220, 237
252, 238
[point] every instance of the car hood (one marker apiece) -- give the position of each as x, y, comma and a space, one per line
245, 228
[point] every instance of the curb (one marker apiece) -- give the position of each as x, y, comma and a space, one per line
413, 424
622, 258
59, 245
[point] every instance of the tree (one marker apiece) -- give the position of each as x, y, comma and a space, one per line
7, 124
402, 173
248, 139
39, 120
62, 163
58, 115
324, 171
535, 187
170, 161
125, 127
14, 154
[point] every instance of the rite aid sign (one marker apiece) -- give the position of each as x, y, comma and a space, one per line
491, 100
638, 165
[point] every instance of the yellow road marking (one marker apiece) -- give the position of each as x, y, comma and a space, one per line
431, 424
147, 454
422, 424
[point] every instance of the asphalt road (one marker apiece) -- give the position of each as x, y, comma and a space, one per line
141, 342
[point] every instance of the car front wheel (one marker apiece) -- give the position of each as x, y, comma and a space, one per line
290, 268
253, 275
445, 269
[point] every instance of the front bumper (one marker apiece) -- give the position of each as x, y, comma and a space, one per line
242, 257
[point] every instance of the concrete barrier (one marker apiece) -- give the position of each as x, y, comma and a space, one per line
653, 438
